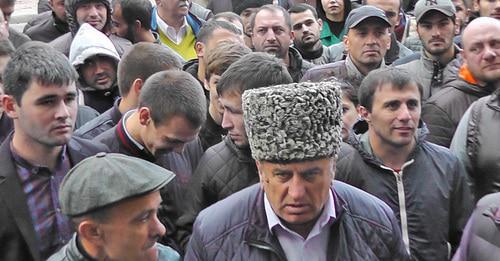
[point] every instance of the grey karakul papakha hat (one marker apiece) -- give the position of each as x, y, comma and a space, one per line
294, 122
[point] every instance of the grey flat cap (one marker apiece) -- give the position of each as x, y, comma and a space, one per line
444, 6
105, 179
358, 15
294, 122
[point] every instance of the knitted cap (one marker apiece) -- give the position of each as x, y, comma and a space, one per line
294, 122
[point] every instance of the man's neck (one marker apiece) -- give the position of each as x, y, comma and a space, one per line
133, 127
314, 48
201, 70
126, 104
392, 157
35, 152
172, 20
286, 59
444, 58
365, 69
145, 36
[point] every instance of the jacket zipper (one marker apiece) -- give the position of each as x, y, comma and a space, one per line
402, 203
265, 246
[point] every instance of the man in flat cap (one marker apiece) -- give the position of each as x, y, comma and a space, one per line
113, 200
296, 212
366, 42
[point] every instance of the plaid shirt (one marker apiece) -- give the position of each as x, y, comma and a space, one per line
41, 187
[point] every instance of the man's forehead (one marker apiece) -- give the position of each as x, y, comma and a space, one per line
390, 91
275, 18
301, 17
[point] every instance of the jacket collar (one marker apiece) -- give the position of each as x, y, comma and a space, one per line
10, 188
243, 154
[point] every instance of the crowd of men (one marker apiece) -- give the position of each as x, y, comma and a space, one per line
251, 130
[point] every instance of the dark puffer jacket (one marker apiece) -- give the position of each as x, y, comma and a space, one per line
236, 228
223, 170
429, 195
443, 111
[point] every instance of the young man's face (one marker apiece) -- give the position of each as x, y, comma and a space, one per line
46, 113
120, 26
394, 116
349, 116
297, 191
7, 11
232, 119
436, 32
169, 136
93, 13
489, 8
99, 72
271, 33
368, 42
133, 228
215, 105
307, 29
58, 8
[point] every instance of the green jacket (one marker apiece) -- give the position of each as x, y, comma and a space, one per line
328, 38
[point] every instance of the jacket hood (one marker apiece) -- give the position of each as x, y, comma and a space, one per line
72, 5
89, 42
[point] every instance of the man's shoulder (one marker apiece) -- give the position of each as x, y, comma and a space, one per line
363, 206
324, 71
85, 148
39, 19
107, 137
17, 38
96, 126
228, 214
406, 61
62, 43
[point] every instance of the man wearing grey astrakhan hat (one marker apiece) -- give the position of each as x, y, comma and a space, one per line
113, 200
296, 212
366, 42
436, 29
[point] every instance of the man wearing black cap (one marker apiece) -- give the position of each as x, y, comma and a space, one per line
366, 42
436, 29
297, 212
113, 201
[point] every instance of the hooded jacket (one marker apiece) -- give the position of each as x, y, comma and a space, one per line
429, 195
87, 43
443, 111
63, 42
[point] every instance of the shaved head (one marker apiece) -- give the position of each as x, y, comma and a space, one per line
481, 49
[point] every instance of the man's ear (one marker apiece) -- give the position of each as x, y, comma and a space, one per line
199, 47
90, 231
364, 113
137, 26
206, 85
292, 35
144, 116
346, 42
10, 106
320, 22
137, 86
261, 174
